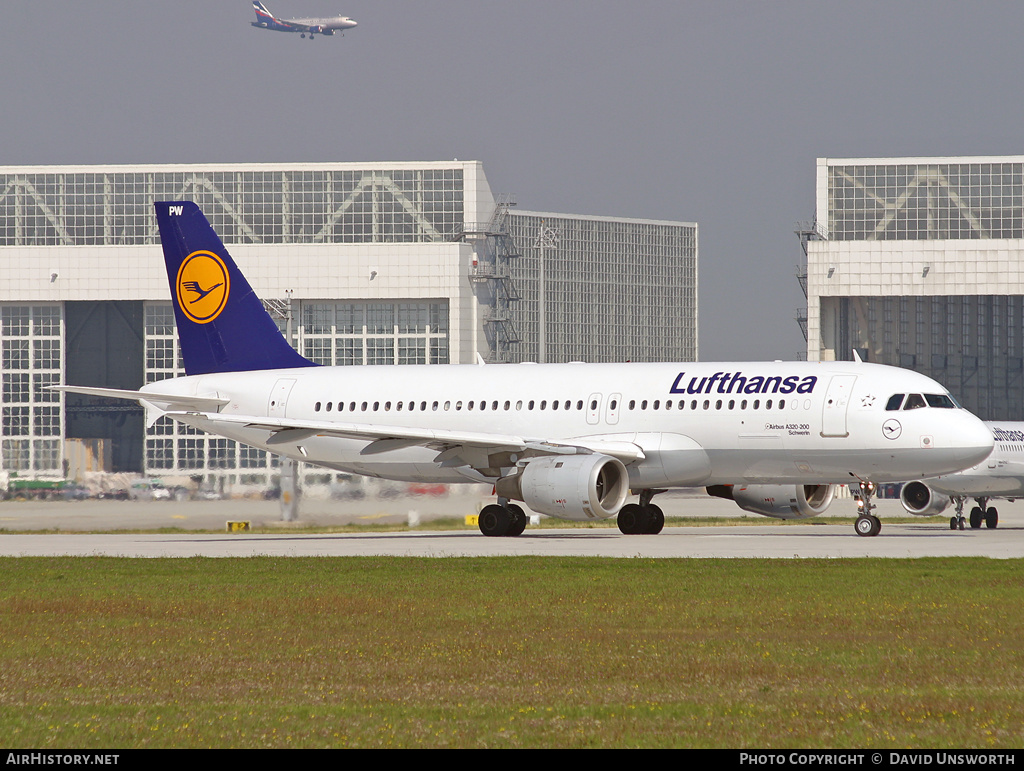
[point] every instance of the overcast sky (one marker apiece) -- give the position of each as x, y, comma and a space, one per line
707, 112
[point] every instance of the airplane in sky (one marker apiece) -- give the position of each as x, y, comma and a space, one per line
266, 20
1001, 475
568, 440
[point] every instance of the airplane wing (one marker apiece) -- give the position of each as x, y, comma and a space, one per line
455, 447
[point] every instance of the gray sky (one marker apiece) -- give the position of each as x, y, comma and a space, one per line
711, 112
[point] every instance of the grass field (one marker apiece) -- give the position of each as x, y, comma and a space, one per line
511, 652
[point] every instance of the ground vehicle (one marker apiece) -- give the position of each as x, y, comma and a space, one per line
149, 490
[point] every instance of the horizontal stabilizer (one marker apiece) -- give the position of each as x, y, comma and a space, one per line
163, 401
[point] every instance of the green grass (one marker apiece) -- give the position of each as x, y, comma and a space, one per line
511, 652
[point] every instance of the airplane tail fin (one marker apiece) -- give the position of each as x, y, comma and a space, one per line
262, 14
222, 325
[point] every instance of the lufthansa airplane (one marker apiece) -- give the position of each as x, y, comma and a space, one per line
568, 440
265, 20
1001, 475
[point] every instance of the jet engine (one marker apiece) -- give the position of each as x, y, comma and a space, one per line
919, 499
576, 487
779, 501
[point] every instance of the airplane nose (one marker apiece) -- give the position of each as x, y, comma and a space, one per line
973, 439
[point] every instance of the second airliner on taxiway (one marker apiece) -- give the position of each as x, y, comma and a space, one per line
569, 440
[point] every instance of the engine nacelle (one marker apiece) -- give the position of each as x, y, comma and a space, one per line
779, 501
576, 487
919, 499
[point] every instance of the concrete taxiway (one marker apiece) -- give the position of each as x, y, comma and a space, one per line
757, 541
823, 537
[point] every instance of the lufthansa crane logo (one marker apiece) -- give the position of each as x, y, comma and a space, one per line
203, 286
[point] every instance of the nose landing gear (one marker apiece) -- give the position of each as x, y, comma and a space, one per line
867, 524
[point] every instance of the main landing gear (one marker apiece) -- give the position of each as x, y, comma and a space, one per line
502, 519
867, 524
642, 519
980, 514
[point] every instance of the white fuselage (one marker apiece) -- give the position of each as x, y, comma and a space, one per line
696, 424
1000, 475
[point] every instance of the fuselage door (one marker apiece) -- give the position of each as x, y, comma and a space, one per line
612, 413
279, 397
594, 409
837, 399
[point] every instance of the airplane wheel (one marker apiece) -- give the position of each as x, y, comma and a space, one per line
656, 519
952, 523
519, 520
494, 520
632, 519
878, 524
976, 517
962, 523
867, 526
992, 518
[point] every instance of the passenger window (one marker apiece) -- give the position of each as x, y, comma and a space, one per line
329, 406
316, 407
657, 403
913, 402
894, 402
632, 404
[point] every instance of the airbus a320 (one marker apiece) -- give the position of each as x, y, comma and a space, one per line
568, 440
1000, 475
266, 20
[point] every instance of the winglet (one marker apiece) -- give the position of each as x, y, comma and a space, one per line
222, 325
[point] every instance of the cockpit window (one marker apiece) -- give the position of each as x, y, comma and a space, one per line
894, 402
942, 401
914, 402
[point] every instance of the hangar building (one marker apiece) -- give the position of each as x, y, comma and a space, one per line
364, 263
917, 262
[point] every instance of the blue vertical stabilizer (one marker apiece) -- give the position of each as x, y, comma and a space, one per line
222, 325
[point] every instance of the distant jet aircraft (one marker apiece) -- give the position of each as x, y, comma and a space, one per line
1001, 475
569, 440
266, 20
